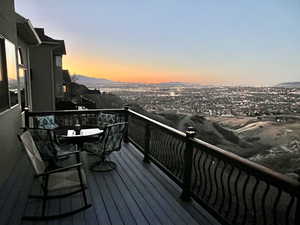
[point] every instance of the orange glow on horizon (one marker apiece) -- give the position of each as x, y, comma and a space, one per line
122, 72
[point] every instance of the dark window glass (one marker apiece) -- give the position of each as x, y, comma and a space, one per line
20, 57
4, 103
11, 64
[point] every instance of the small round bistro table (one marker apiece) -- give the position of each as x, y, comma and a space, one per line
85, 135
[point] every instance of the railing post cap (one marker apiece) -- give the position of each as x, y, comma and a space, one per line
190, 132
126, 107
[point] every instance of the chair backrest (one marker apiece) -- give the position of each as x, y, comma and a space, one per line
32, 152
105, 119
112, 137
46, 122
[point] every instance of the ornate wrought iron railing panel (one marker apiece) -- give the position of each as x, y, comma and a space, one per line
239, 191
137, 131
68, 118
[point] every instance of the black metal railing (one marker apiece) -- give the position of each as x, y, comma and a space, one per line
233, 189
68, 118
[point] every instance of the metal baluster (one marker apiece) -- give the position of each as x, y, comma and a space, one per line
147, 144
297, 218
245, 199
253, 199
288, 211
223, 186
264, 203
126, 112
205, 175
237, 197
229, 191
216, 182
210, 179
275, 205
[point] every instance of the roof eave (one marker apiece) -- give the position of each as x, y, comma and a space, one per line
27, 33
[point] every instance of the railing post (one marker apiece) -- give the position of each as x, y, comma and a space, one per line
297, 213
26, 116
147, 144
188, 162
126, 139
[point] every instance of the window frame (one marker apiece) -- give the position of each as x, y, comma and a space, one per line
11, 104
4, 91
21, 66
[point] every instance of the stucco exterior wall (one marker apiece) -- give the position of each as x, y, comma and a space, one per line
7, 20
10, 119
42, 80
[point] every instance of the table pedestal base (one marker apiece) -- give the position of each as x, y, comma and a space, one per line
103, 166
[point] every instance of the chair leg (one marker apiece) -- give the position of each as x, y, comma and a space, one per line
56, 216
57, 196
45, 189
82, 187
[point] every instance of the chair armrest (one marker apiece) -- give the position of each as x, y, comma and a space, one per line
60, 169
69, 153
34, 128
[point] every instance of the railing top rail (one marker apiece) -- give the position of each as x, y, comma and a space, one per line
43, 113
158, 124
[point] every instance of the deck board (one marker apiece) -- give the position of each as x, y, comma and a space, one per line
134, 193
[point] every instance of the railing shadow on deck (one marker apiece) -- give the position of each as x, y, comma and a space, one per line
233, 189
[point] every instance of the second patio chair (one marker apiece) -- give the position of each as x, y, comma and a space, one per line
109, 142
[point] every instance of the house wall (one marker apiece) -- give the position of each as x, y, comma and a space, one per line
7, 20
42, 80
10, 118
14, 185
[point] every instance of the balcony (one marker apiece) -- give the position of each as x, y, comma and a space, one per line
165, 176
134, 193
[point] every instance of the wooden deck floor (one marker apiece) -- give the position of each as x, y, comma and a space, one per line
134, 193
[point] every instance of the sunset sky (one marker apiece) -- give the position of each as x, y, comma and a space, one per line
232, 42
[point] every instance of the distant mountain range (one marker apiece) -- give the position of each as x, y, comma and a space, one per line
93, 82
90, 80
100, 82
289, 85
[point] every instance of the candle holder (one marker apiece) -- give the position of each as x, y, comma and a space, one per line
77, 128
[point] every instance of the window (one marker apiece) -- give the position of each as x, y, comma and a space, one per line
11, 65
65, 88
4, 102
58, 60
23, 79
20, 57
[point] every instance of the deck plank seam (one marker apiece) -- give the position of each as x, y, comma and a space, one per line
149, 199
139, 193
151, 187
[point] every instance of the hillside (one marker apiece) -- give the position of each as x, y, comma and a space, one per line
282, 140
289, 85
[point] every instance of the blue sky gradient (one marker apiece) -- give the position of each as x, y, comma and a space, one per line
232, 42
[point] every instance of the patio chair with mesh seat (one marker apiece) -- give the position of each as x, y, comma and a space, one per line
110, 141
70, 180
51, 150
